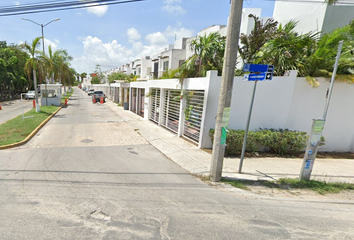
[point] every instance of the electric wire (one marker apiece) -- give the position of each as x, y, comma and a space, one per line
54, 6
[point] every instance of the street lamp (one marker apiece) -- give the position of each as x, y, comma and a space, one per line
42, 26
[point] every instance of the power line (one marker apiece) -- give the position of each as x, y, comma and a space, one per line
57, 6
338, 3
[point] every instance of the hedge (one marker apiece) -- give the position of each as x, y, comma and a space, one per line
281, 141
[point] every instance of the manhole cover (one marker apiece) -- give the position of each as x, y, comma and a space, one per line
86, 141
100, 215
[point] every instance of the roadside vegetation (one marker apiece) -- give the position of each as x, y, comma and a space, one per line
286, 184
21, 64
16, 130
122, 76
68, 95
319, 187
282, 142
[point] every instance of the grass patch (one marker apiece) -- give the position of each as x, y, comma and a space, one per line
16, 130
236, 183
68, 94
320, 187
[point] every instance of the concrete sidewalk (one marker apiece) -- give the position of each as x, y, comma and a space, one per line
197, 161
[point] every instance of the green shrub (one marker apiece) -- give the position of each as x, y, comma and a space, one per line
281, 141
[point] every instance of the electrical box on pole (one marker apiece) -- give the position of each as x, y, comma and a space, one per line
311, 149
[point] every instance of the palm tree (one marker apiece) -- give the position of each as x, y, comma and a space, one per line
331, 2
208, 55
32, 64
51, 68
252, 43
289, 50
83, 75
61, 60
170, 73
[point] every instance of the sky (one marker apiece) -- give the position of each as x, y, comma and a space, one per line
117, 34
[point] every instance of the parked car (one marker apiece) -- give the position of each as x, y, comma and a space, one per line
30, 95
84, 88
90, 91
97, 95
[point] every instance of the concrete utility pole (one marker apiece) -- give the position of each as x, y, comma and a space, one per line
228, 73
46, 92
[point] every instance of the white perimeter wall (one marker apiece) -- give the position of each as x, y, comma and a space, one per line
287, 102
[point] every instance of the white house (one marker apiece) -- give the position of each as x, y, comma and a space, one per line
314, 15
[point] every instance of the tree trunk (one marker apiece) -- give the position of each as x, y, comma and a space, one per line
36, 89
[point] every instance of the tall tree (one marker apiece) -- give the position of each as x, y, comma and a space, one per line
208, 55
83, 75
61, 60
288, 50
252, 43
33, 63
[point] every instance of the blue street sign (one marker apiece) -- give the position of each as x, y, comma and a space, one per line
269, 76
254, 77
255, 67
270, 68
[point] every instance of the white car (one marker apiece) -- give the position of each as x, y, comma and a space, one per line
30, 95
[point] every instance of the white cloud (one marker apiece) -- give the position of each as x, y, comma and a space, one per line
98, 52
133, 34
113, 54
54, 45
179, 32
97, 9
173, 6
156, 38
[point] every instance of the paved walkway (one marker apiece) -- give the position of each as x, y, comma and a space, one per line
197, 161
12, 109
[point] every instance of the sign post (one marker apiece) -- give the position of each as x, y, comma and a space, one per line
258, 73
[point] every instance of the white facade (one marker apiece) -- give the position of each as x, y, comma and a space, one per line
285, 102
247, 23
315, 15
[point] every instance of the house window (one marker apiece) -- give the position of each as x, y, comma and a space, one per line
165, 65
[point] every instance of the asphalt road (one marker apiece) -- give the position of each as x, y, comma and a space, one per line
11, 109
89, 175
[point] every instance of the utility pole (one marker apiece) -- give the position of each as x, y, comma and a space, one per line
228, 74
317, 128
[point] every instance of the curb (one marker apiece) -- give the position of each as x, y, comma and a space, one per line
31, 135
34, 132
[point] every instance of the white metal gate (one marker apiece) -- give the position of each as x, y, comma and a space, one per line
133, 100
193, 114
116, 95
141, 102
155, 104
171, 110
